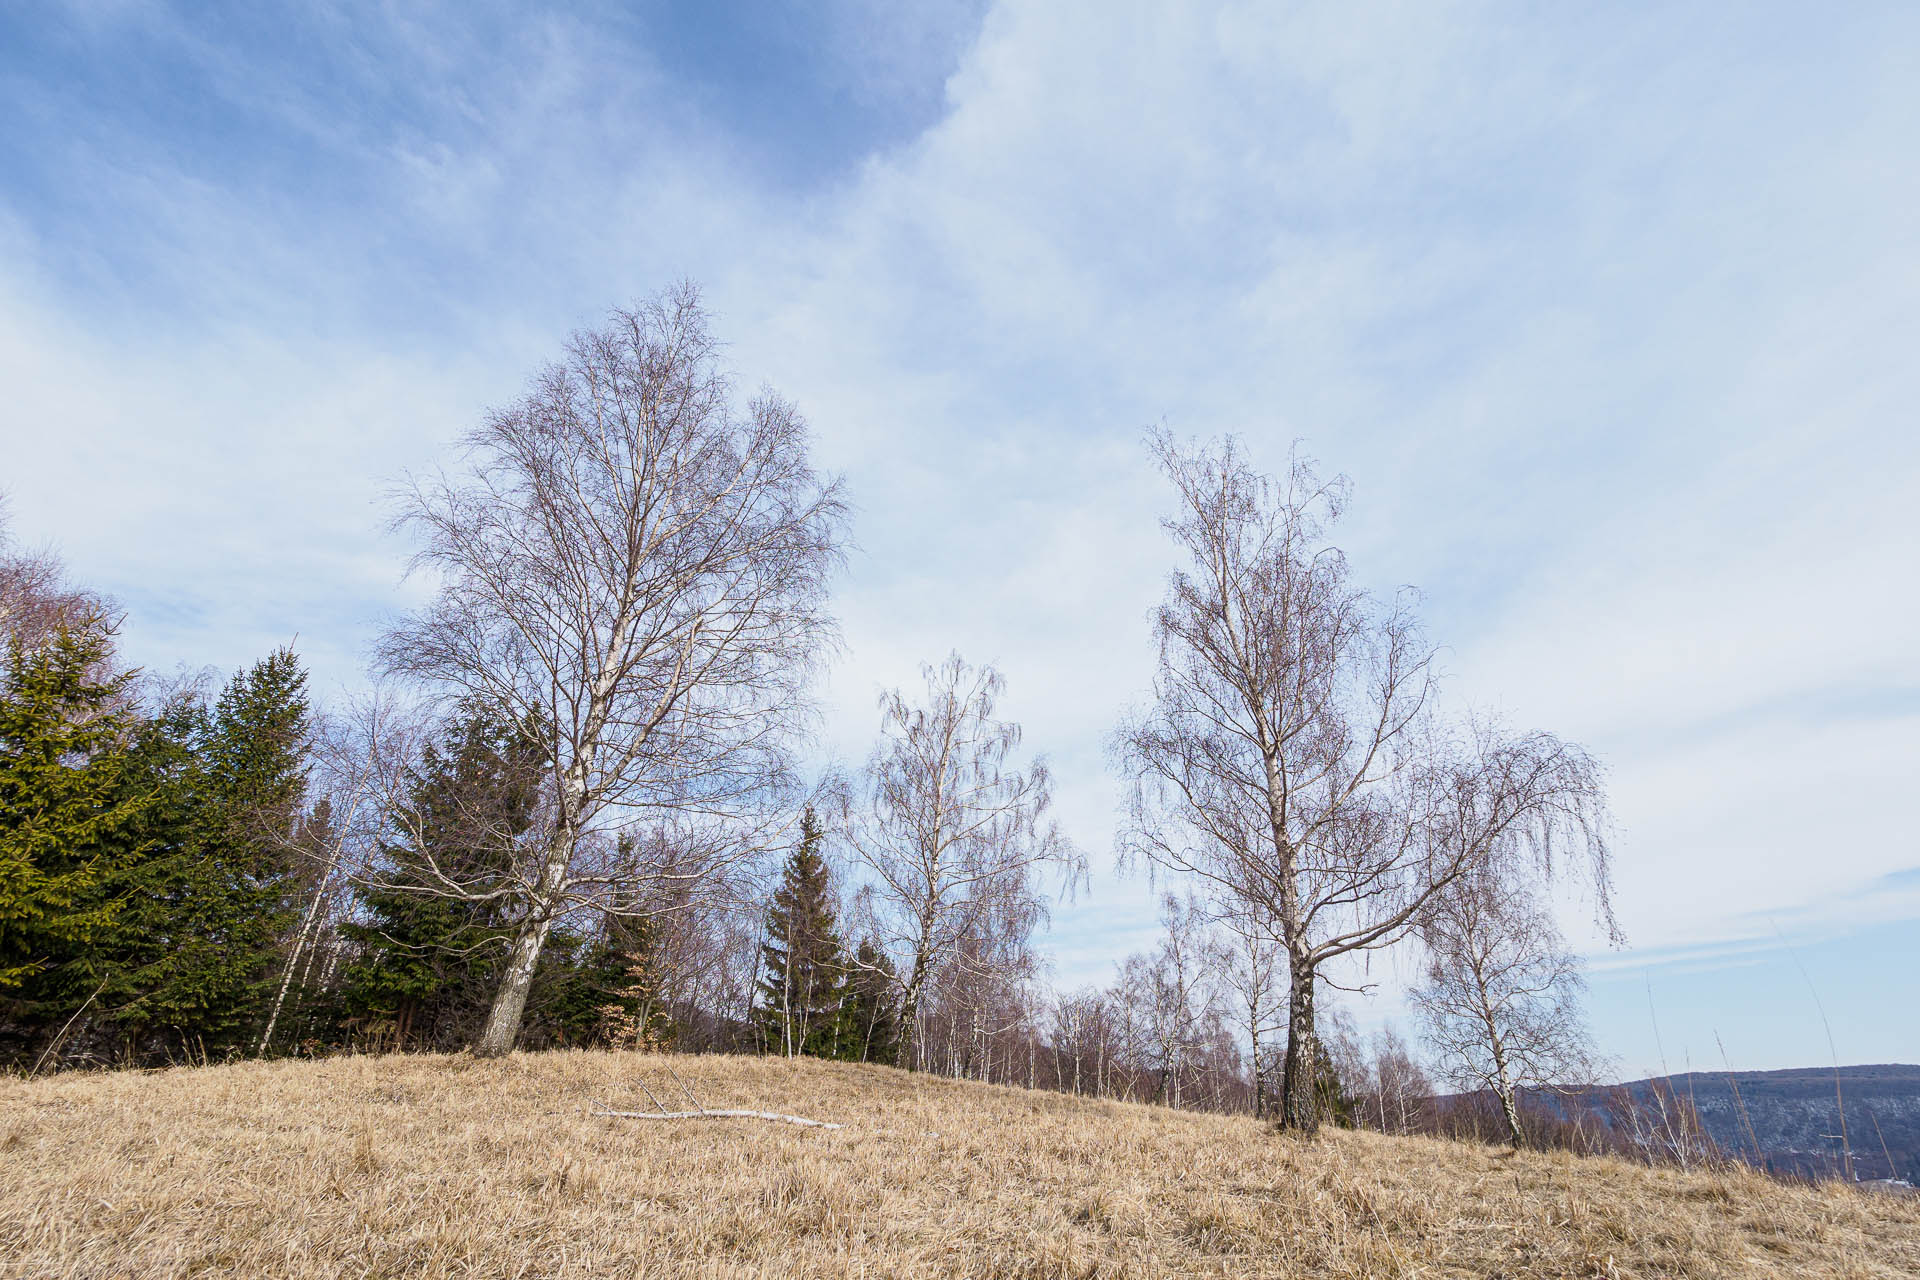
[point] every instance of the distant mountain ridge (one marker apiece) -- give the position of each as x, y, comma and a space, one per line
1789, 1121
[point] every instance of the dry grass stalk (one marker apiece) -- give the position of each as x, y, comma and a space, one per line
455, 1167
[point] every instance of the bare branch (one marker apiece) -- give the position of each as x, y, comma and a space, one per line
714, 1115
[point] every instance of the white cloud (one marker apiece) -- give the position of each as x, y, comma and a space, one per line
1606, 372
1610, 319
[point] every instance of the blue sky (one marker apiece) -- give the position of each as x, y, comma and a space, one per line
1609, 312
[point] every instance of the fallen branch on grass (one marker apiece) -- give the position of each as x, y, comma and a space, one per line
712, 1115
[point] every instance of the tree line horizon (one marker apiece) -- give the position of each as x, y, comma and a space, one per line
571, 810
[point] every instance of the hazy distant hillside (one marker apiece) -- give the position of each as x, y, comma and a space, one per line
1795, 1119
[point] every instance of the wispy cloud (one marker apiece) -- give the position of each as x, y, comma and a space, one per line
1609, 315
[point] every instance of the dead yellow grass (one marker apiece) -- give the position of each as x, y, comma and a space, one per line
452, 1167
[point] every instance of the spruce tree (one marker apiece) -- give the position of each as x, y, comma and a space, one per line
608, 994
145, 963
428, 962
66, 812
802, 988
212, 900
635, 1015
870, 1019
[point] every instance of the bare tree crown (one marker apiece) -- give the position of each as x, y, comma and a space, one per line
950, 829
634, 562
1501, 999
35, 597
1292, 759
1291, 756
633, 566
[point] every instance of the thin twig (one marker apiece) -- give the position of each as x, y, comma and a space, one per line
683, 1088
643, 1088
55, 1042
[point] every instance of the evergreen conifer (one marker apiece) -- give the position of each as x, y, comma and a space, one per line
211, 900
802, 988
612, 995
871, 1019
66, 811
427, 961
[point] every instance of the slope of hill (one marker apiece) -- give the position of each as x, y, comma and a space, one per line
1789, 1121
437, 1166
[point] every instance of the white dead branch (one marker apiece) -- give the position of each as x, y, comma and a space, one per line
714, 1115
661, 1113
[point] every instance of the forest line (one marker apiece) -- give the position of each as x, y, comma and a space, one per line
572, 810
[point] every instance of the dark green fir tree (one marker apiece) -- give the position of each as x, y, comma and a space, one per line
68, 818
428, 960
802, 984
870, 1020
607, 991
212, 902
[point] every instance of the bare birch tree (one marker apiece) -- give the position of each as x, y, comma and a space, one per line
950, 830
346, 789
1290, 758
974, 993
1396, 1093
1077, 1039
1255, 977
1176, 988
35, 596
1501, 1000
632, 565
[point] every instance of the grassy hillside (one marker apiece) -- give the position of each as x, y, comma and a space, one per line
452, 1167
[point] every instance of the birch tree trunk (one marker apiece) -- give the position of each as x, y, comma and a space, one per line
510, 1001
1509, 1102
1300, 1101
293, 962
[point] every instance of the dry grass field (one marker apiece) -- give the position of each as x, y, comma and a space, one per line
436, 1166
